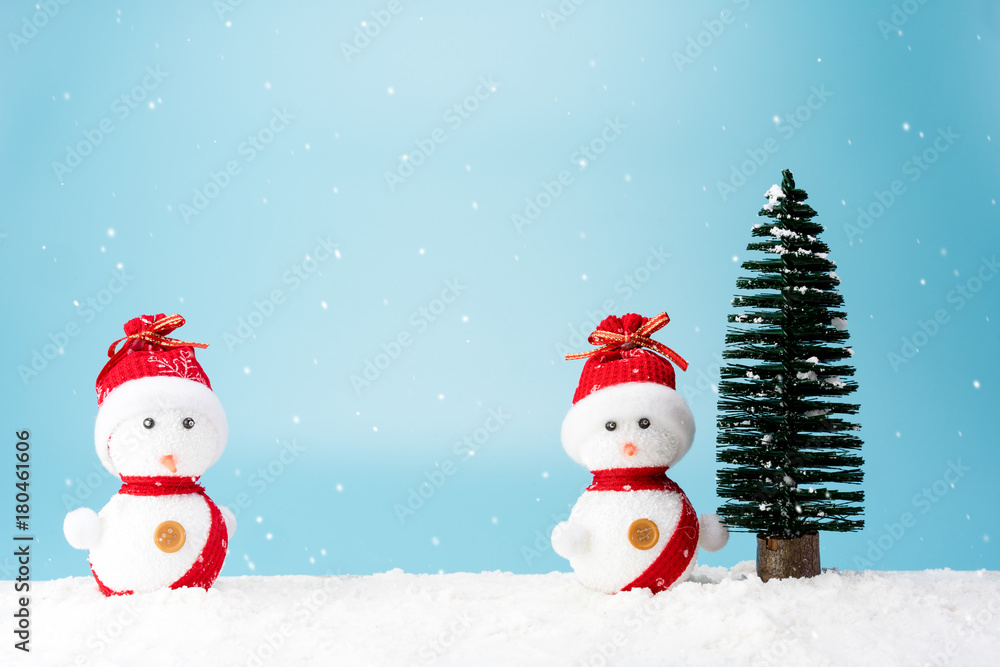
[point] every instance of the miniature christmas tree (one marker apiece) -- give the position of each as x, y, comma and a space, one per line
783, 438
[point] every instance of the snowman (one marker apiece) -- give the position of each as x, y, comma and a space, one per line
159, 427
633, 527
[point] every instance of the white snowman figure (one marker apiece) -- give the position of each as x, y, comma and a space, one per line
159, 427
633, 527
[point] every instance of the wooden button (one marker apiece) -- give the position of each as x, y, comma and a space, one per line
643, 534
169, 537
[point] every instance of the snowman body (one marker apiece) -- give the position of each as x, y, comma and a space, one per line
611, 561
126, 556
633, 527
159, 427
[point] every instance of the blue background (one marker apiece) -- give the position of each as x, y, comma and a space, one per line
696, 96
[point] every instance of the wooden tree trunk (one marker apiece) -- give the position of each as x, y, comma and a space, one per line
780, 558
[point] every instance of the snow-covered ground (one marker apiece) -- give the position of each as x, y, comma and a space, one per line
720, 617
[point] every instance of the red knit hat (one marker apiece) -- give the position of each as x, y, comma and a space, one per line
151, 371
626, 355
147, 352
626, 369
623, 359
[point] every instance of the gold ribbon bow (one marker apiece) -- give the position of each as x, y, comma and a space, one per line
610, 340
153, 333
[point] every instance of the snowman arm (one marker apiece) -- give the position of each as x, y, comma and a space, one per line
713, 534
230, 518
82, 528
570, 539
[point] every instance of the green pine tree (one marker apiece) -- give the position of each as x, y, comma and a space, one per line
786, 447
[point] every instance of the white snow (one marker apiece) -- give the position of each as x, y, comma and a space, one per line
719, 617
839, 322
773, 195
802, 252
780, 232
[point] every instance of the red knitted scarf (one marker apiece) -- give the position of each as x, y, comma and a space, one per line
680, 550
209, 562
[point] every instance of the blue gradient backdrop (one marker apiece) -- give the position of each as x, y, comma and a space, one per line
850, 96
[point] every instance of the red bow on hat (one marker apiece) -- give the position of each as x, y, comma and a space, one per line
152, 334
612, 340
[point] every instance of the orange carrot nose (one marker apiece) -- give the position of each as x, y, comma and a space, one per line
169, 463
629, 449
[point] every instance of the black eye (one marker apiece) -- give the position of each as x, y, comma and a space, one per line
188, 422
148, 422
643, 423
611, 426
